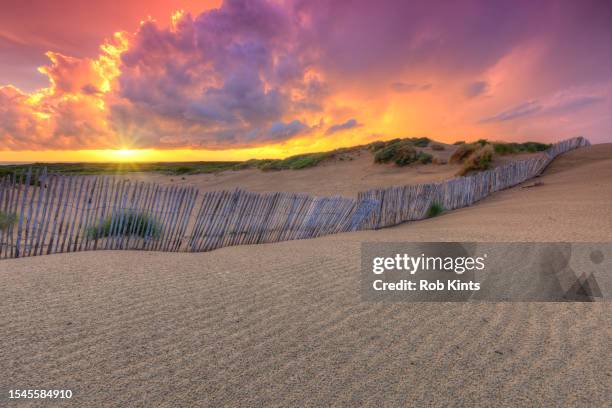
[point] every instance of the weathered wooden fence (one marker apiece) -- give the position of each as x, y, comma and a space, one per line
47, 213
55, 213
412, 202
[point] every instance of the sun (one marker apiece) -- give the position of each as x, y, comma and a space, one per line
126, 152
124, 155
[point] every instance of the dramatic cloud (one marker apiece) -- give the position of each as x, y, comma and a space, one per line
558, 104
260, 72
349, 124
524, 109
403, 87
474, 89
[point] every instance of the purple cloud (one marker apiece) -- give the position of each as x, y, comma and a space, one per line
476, 88
403, 87
221, 78
349, 124
563, 106
524, 109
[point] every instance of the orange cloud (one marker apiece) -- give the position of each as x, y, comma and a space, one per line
287, 77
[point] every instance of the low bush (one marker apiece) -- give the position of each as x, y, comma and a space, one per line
401, 152
297, 162
420, 141
434, 210
462, 152
477, 161
437, 147
141, 223
424, 158
7, 220
515, 148
376, 146
183, 170
459, 142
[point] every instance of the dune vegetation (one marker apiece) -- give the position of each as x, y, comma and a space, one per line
133, 223
478, 160
402, 152
434, 210
7, 220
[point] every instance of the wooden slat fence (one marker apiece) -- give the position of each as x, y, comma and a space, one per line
57, 213
412, 202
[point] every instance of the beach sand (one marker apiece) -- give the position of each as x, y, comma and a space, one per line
334, 177
283, 324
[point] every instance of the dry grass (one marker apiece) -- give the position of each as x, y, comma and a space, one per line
477, 161
7, 220
462, 152
401, 152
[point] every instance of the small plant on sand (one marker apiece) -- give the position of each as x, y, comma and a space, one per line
138, 223
300, 161
376, 146
424, 158
479, 160
401, 152
437, 147
515, 148
7, 220
435, 209
420, 141
462, 152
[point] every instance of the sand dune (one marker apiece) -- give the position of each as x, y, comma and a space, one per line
283, 324
345, 178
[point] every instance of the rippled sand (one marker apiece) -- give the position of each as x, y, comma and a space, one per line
283, 324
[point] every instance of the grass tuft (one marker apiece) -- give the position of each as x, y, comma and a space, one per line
300, 161
424, 158
139, 221
7, 220
477, 161
401, 152
462, 152
434, 210
515, 148
420, 141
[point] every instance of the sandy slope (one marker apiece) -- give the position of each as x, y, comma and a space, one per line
345, 178
283, 324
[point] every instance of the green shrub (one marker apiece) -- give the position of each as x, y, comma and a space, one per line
139, 221
424, 158
300, 161
420, 141
479, 160
482, 142
7, 220
437, 147
304, 161
183, 170
514, 148
506, 148
459, 142
435, 209
402, 152
462, 152
535, 146
376, 146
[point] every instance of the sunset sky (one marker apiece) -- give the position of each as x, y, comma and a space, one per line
211, 80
